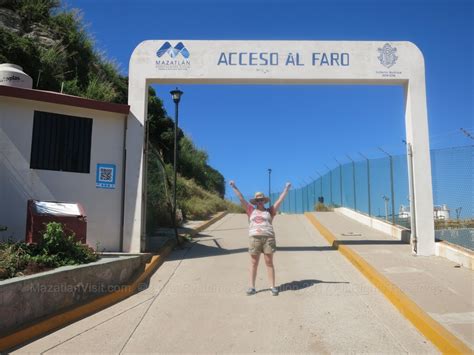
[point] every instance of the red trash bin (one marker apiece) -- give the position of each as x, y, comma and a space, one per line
70, 215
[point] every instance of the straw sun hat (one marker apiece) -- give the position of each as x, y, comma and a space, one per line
259, 196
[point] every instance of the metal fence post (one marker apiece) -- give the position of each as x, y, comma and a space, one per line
340, 180
289, 201
314, 194
302, 195
307, 197
368, 180
295, 207
321, 184
330, 184
353, 182
392, 189
308, 193
305, 192
412, 200
391, 185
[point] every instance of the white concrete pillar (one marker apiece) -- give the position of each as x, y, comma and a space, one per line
417, 134
133, 226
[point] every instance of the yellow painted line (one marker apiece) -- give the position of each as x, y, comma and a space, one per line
64, 318
203, 226
442, 338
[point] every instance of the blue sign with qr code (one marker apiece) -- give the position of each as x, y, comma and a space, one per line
105, 176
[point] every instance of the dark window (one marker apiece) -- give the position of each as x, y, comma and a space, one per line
61, 142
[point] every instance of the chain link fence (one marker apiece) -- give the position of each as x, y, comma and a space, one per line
379, 188
453, 179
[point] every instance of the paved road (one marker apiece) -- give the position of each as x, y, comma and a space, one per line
439, 286
196, 303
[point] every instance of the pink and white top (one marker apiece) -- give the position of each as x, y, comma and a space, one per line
260, 222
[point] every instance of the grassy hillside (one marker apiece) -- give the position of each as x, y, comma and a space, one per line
53, 47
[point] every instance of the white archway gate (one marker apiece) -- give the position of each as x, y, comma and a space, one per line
279, 62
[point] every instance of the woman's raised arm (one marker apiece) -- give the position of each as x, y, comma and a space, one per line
278, 202
243, 202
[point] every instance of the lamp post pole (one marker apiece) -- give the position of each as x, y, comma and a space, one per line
270, 185
176, 95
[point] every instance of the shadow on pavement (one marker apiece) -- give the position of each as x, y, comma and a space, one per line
223, 230
206, 245
200, 250
300, 285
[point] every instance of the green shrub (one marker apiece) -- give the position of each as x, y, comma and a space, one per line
453, 223
55, 249
13, 257
234, 208
321, 207
58, 249
193, 200
197, 203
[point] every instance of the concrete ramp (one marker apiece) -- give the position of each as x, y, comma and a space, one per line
196, 303
441, 288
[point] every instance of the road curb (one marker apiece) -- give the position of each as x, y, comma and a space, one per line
442, 338
57, 321
206, 224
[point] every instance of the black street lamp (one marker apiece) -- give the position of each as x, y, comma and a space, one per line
270, 185
176, 95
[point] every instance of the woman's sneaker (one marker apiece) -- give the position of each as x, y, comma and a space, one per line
251, 291
275, 291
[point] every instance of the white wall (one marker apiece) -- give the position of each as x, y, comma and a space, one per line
18, 182
396, 232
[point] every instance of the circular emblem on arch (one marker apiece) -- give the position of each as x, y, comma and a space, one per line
387, 55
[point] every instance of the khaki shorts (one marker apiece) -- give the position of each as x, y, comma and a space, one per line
262, 244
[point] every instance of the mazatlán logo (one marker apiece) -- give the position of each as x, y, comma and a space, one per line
173, 58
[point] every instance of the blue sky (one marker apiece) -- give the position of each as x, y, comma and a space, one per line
298, 130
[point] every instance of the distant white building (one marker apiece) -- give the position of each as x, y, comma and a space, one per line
56, 147
404, 212
440, 212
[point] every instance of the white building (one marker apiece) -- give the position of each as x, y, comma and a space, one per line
440, 212
56, 147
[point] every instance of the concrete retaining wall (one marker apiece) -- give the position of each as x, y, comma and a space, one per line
27, 298
452, 252
397, 232
455, 253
